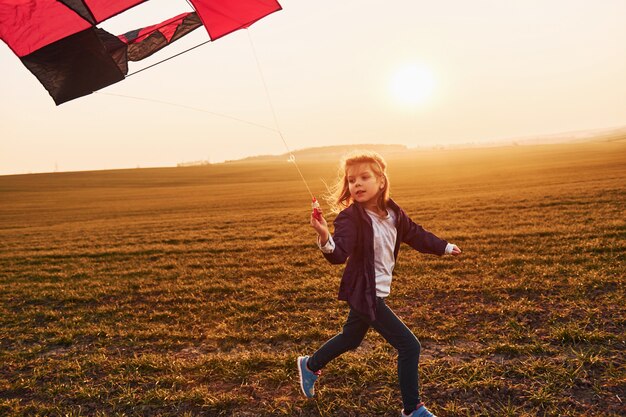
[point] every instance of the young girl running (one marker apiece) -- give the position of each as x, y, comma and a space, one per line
368, 234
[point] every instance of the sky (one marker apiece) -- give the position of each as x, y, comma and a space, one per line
413, 72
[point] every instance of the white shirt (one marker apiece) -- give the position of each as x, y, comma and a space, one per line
385, 234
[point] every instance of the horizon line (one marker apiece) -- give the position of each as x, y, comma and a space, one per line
577, 136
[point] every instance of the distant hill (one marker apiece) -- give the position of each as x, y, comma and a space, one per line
326, 152
335, 152
597, 135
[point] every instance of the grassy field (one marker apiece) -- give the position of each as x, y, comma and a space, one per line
191, 291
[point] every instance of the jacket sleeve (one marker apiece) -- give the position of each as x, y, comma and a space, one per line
421, 239
344, 238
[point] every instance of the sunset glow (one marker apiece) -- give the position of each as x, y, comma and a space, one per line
412, 84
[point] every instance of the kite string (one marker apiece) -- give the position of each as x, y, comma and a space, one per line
184, 106
292, 157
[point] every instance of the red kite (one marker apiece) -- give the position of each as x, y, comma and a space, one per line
59, 42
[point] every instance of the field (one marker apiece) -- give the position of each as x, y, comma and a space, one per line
191, 291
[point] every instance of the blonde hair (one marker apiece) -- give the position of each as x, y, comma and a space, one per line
339, 196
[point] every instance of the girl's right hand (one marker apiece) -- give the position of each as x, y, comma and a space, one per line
320, 226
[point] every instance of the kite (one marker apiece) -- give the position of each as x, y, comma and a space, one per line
59, 42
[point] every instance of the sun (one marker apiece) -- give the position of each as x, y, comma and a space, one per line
412, 84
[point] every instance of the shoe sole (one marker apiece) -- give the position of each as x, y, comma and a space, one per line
300, 375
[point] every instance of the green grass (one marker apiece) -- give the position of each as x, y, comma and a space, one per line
191, 291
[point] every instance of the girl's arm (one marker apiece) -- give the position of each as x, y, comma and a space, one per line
421, 239
342, 241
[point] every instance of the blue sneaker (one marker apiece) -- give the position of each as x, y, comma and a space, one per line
422, 411
307, 378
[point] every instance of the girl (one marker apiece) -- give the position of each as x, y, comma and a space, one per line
368, 233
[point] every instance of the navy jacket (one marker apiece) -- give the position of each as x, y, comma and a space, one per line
354, 242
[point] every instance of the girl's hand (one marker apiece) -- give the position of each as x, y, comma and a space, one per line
320, 226
455, 251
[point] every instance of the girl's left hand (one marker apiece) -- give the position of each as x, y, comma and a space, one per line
455, 251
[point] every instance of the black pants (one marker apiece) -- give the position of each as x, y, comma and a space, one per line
389, 326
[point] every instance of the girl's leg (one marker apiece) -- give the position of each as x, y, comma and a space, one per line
350, 338
400, 337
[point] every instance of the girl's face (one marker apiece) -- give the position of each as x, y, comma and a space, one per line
363, 184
